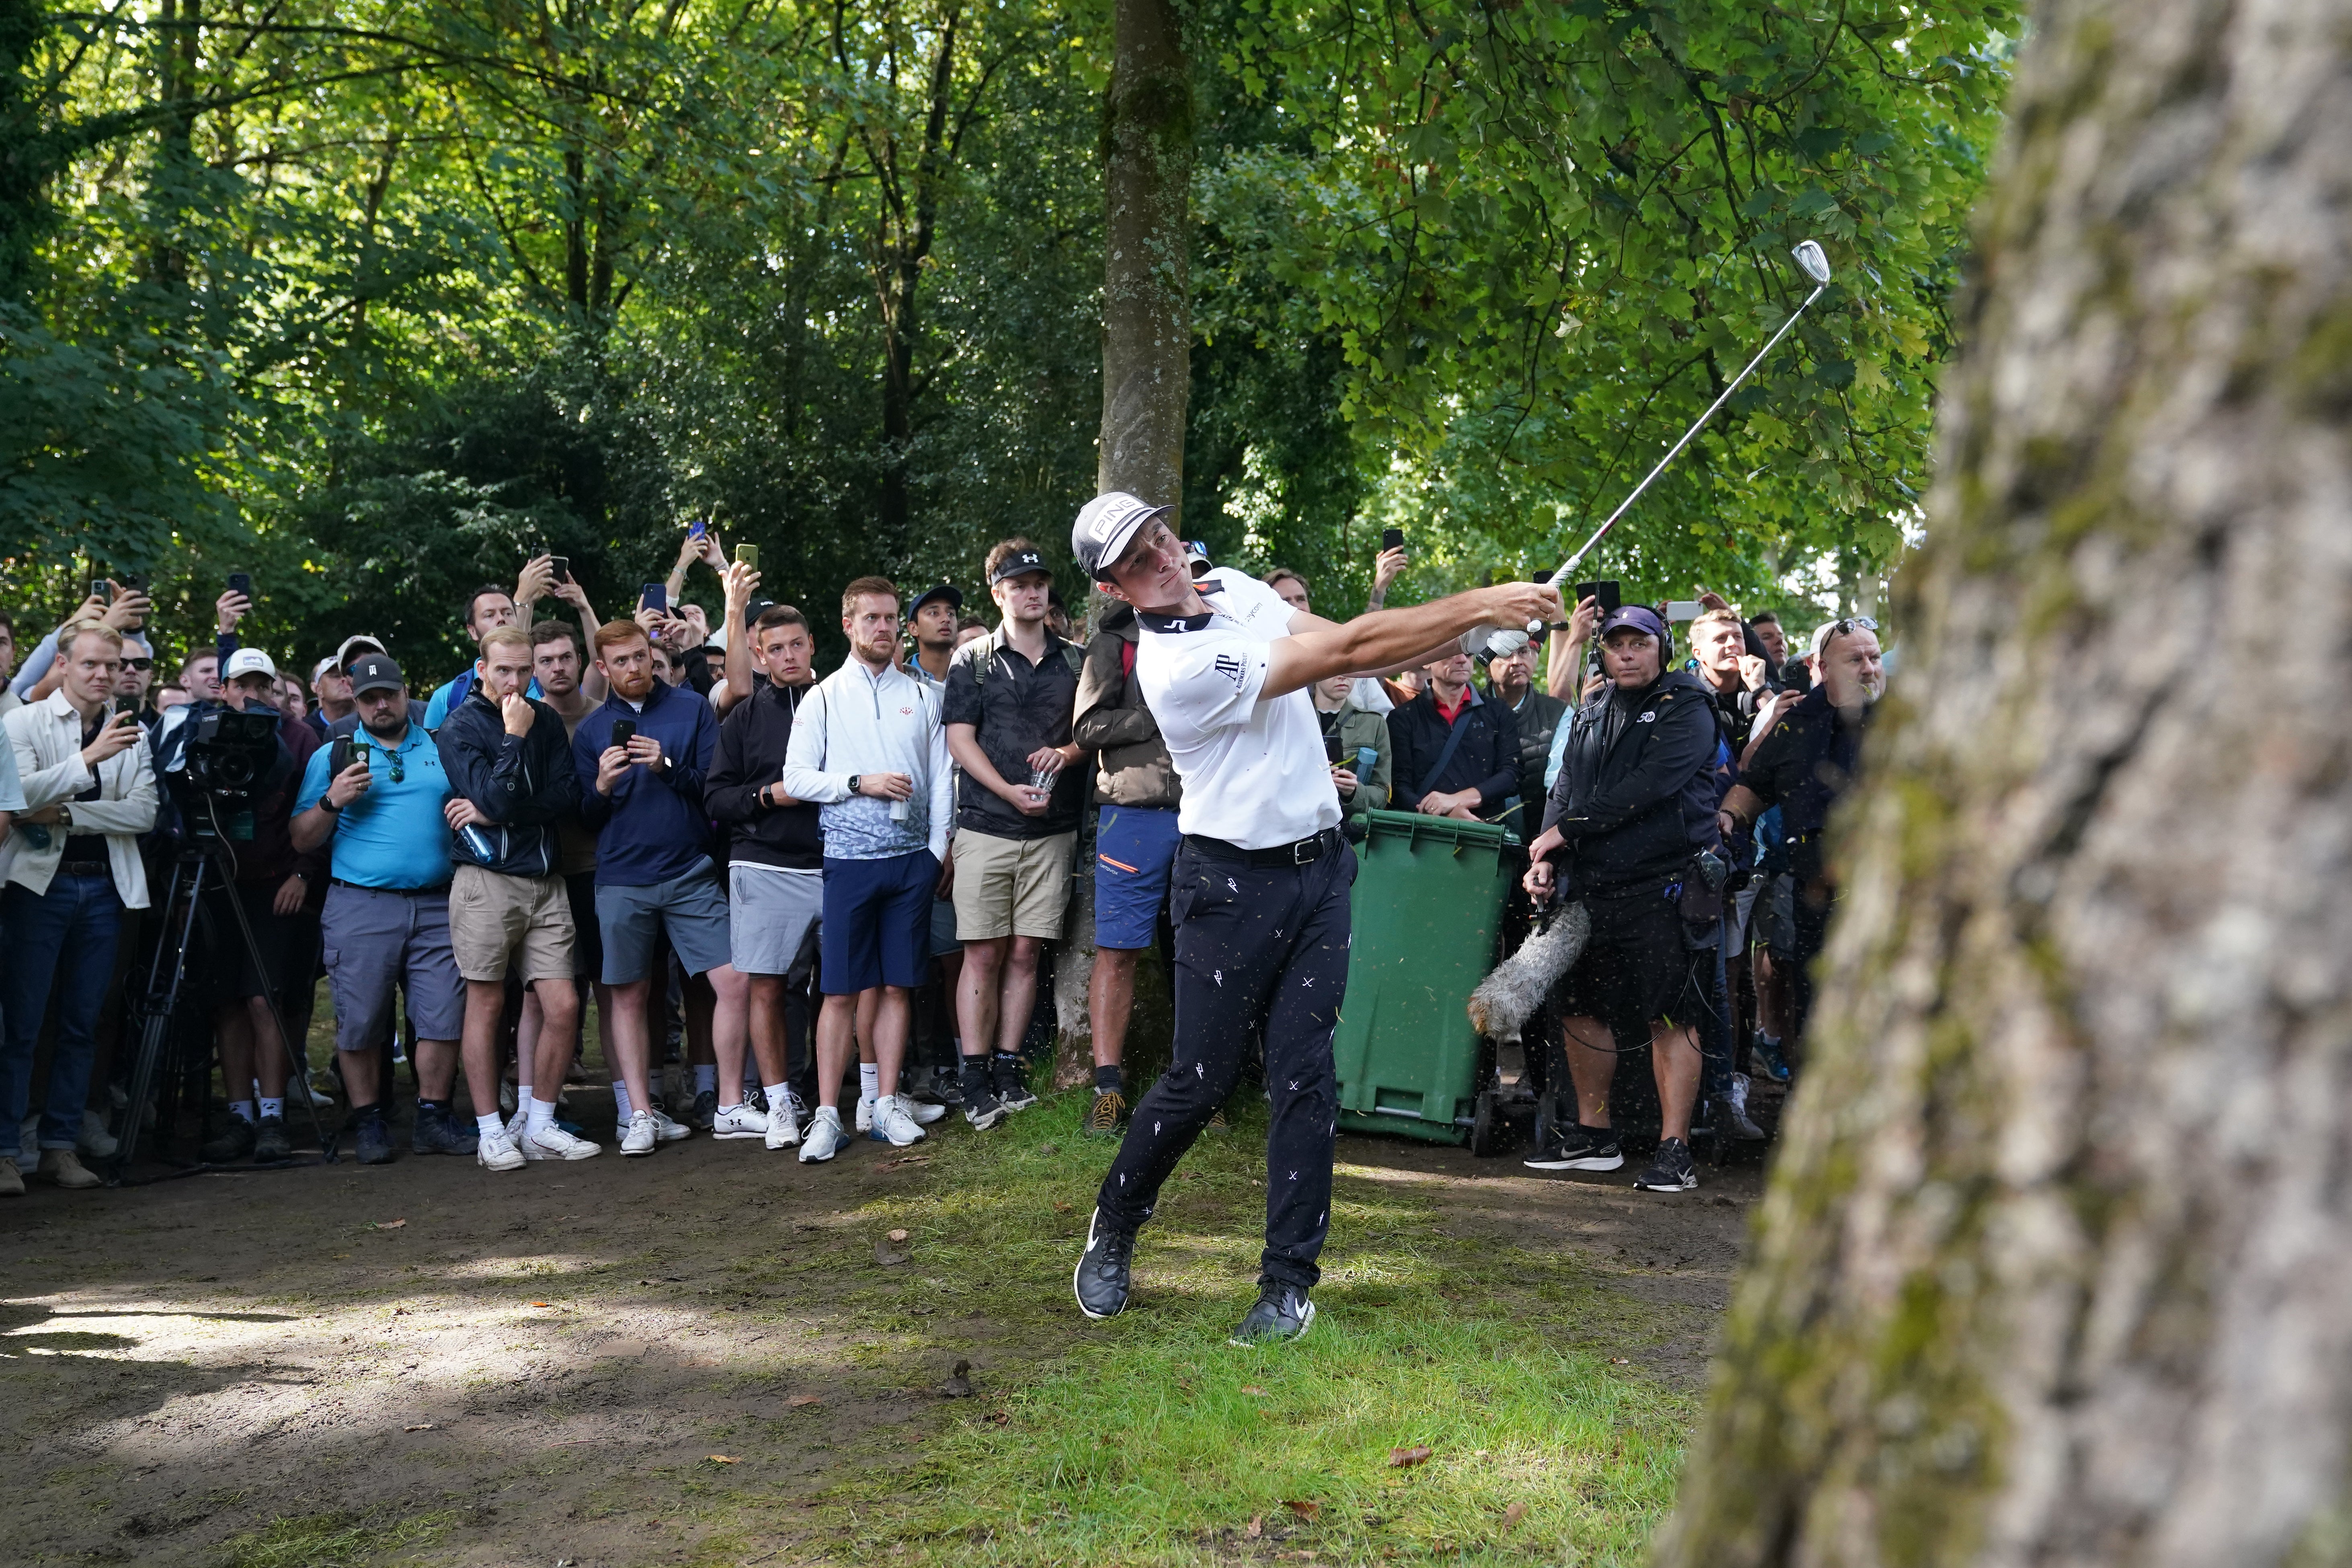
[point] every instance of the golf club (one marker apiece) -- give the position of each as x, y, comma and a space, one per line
1817, 268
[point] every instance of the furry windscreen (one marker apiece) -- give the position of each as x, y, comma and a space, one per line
1507, 998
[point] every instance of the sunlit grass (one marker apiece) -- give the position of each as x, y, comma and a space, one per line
334, 1539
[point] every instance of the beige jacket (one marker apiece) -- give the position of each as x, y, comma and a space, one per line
47, 738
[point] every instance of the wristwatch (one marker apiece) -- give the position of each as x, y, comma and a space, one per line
853, 781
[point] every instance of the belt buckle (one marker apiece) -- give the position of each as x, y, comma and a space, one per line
1307, 851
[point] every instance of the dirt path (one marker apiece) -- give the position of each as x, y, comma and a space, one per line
540, 1368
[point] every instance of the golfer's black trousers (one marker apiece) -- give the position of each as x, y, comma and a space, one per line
1256, 947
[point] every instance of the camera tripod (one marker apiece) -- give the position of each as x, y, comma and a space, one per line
165, 977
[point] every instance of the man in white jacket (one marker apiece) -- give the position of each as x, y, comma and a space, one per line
868, 747
71, 867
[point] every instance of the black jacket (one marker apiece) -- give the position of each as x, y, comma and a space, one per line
752, 742
1634, 783
1539, 717
1805, 767
524, 785
1487, 758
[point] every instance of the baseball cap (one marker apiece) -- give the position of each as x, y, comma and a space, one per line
1639, 617
948, 591
1106, 525
375, 672
248, 661
322, 667
357, 643
1016, 564
1196, 556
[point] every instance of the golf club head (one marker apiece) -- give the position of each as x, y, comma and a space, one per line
1808, 256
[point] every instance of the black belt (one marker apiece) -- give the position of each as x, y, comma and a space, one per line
1298, 852
403, 892
85, 869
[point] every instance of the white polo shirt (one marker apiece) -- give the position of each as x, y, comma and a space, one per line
1254, 771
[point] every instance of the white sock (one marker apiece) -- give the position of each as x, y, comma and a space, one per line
777, 1104
492, 1123
522, 1090
242, 1110
705, 1078
621, 1100
273, 1108
869, 1080
542, 1114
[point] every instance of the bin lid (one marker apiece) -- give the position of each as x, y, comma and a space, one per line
1418, 827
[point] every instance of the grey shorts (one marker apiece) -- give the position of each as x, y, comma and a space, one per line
372, 942
691, 910
1742, 925
775, 912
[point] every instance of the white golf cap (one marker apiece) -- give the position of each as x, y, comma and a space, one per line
1106, 525
361, 640
322, 667
248, 661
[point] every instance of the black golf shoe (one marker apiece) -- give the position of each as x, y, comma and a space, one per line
1282, 1313
1100, 1281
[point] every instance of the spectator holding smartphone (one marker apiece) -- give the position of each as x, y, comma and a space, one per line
80, 784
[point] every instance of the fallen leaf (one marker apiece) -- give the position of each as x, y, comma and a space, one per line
1406, 1459
1306, 1511
542, 1303
723, 1459
420, 1427
1001, 1418
917, 1436
391, 1224
1256, 1526
1062, 1208
1254, 1388
802, 1401
1512, 1514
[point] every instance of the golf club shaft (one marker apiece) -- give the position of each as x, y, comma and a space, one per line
1564, 578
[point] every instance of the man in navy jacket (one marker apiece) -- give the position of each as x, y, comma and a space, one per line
642, 798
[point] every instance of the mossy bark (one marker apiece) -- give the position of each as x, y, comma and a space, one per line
2057, 1263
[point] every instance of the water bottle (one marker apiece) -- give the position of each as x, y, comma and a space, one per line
478, 843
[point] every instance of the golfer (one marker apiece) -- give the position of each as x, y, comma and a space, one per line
1259, 891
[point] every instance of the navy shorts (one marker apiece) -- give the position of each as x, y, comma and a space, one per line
876, 929
1134, 848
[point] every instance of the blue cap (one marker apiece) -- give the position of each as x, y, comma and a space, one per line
1640, 617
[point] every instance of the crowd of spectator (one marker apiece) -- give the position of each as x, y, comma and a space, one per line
754, 879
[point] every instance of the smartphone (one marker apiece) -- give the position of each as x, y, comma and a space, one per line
748, 555
339, 756
654, 597
1606, 591
561, 566
100, 588
699, 530
132, 582
241, 583
361, 752
1391, 538
1683, 609
623, 731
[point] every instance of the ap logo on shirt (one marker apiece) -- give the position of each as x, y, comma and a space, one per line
1232, 668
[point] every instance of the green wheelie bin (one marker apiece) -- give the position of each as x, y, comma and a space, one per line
1427, 902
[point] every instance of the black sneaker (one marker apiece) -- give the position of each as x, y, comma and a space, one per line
985, 1112
1282, 1312
374, 1140
1100, 1280
705, 1113
1670, 1171
1578, 1148
1011, 1092
235, 1142
1104, 1114
269, 1140
437, 1132
947, 1088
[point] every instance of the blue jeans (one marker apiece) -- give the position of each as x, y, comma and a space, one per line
66, 935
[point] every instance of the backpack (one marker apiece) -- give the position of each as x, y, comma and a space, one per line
983, 656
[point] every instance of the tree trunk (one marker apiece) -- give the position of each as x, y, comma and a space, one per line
1147, 281
2057, 1264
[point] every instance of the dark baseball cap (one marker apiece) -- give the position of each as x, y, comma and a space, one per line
1017, 564
1106, 525
1637, 617
948, 591
374, 672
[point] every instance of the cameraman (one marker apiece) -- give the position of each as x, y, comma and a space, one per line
273, 883
1637, 756
71, 865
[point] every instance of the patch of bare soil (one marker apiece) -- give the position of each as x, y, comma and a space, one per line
609, 1361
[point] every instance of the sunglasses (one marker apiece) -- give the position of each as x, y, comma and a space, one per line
1853, 624
139, 664
399, 773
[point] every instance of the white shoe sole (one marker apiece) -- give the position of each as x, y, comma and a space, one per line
487, 1163
582, 1149
809, 1156
777, 1145
724, 1136
1583, 1163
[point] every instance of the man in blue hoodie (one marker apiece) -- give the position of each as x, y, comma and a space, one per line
641, 792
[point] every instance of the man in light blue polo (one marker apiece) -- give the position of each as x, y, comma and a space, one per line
386, 921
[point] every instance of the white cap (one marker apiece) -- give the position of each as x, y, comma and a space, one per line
1105, 526
248, 661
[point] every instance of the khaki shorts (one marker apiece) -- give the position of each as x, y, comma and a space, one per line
1011, 887
492, 916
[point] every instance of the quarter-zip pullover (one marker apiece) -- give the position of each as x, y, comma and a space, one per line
858, 721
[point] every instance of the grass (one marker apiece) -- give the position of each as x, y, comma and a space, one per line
334, 1540
1150, 1440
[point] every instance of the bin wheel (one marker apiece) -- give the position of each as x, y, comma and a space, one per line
1486, 1126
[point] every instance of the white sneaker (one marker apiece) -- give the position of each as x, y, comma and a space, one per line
517, 1124
552, 1143
95, 1140
668, 1131
739, 1121
783, 1127
824, 1136
496, 1151
892, 1124
923, 1110
865, 1112
640, 1136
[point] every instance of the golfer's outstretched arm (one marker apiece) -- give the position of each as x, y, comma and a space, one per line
1385, 638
